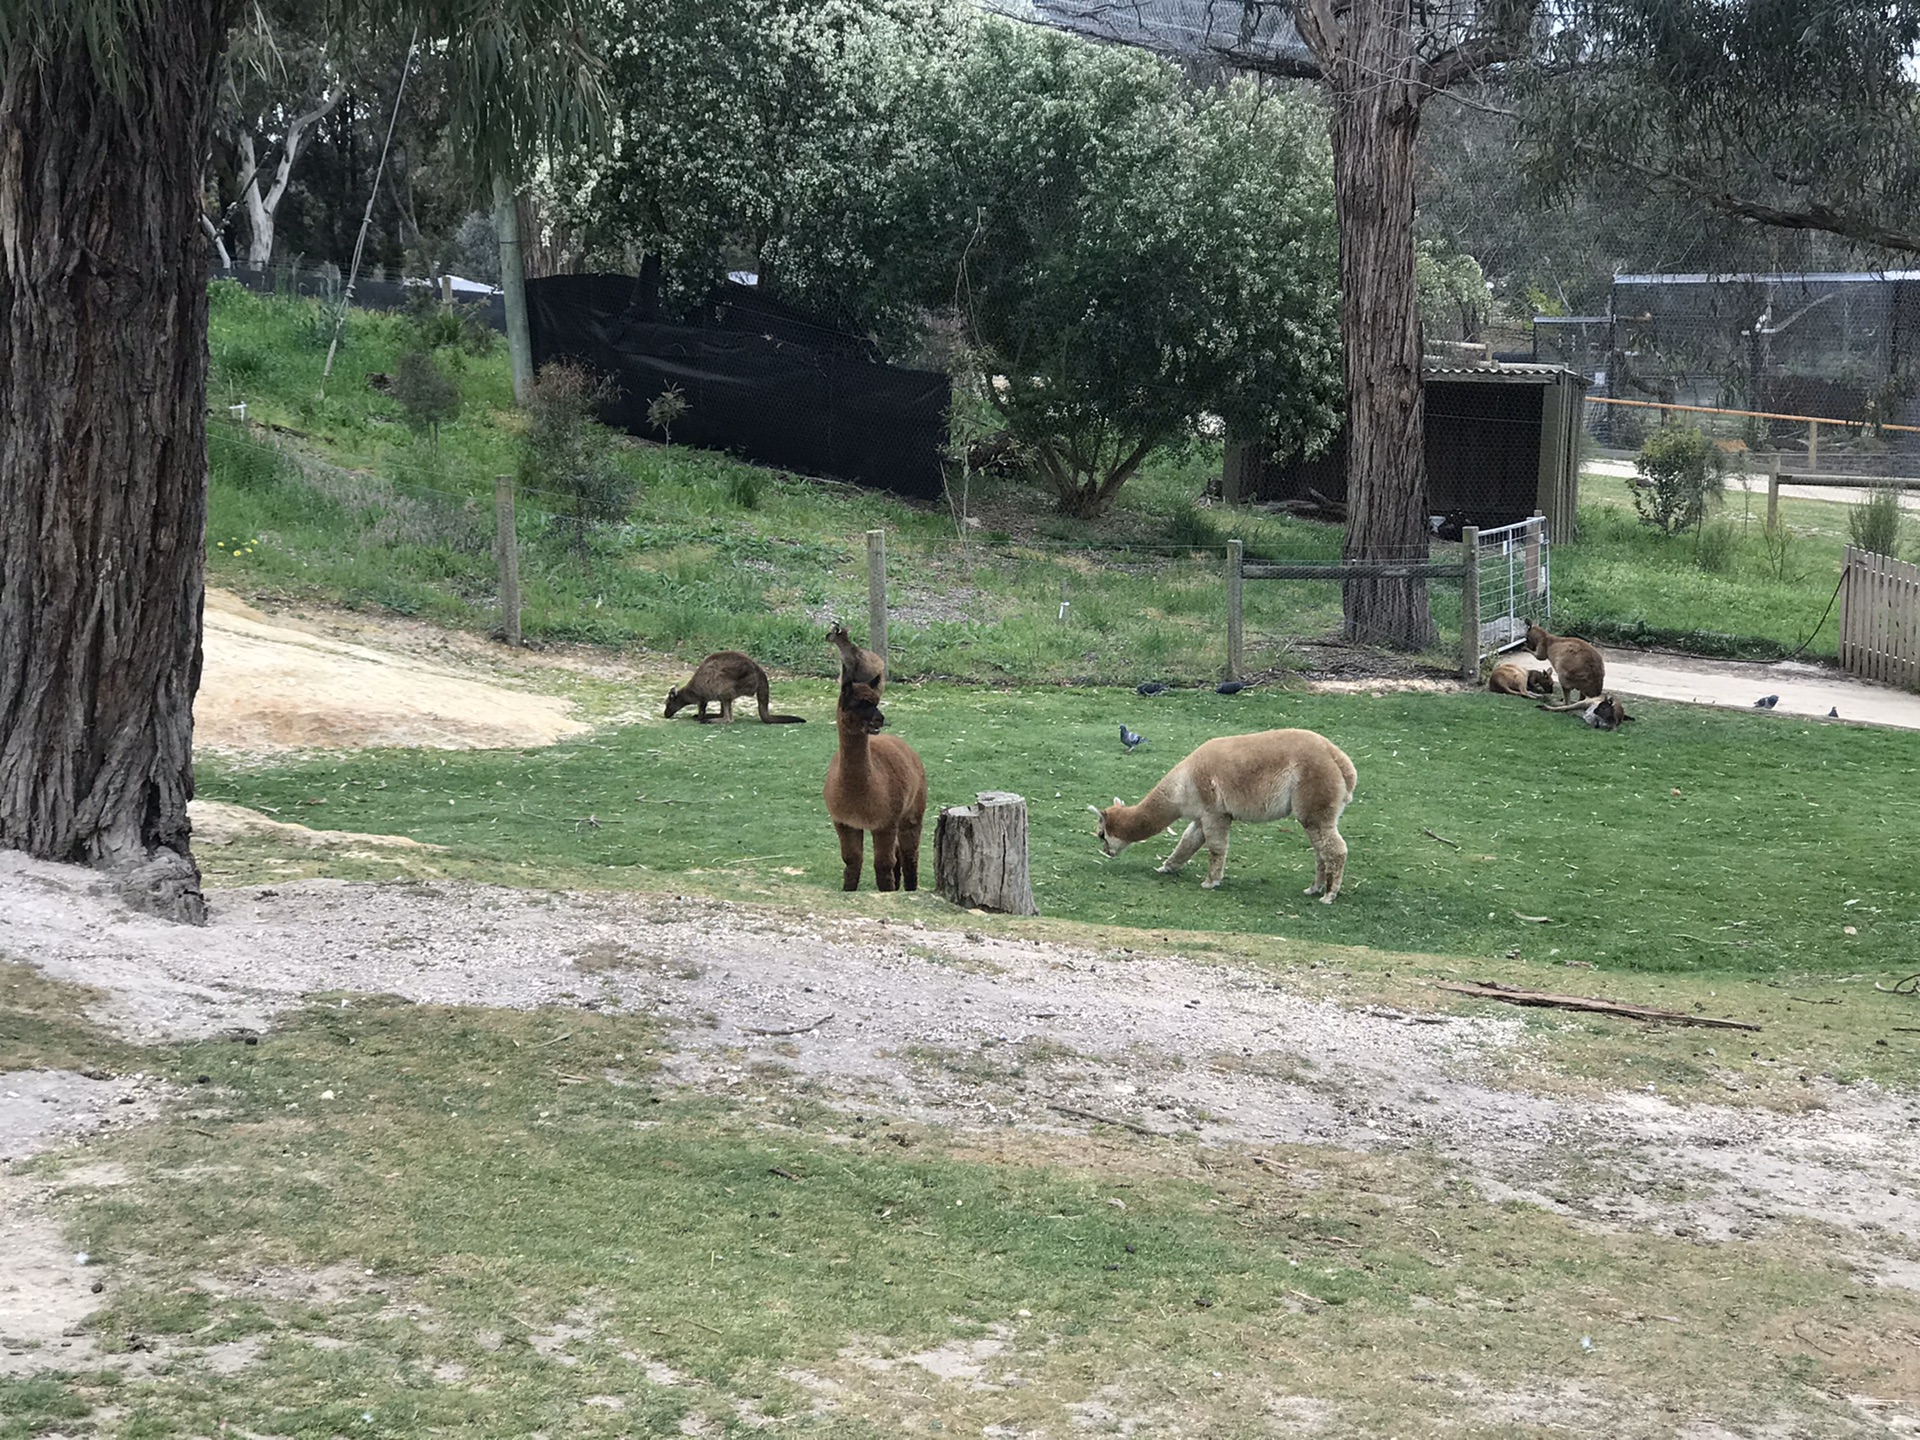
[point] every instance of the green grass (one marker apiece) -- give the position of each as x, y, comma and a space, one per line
1781, 833
394, 1220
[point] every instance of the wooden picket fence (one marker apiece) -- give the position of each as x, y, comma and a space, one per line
1880, 619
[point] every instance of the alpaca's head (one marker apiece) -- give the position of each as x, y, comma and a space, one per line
860, 709
1103, 832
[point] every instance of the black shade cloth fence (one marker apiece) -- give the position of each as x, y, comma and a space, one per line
761, 380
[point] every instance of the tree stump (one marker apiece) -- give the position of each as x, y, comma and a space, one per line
980, 854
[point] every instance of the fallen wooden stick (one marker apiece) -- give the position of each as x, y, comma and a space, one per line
1080, 1114
1441, 838
1513, 995
790, 1029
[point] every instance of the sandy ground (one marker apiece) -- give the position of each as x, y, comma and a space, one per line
895, 1017
1807, 690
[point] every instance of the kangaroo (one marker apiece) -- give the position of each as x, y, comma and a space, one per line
1577, 664
1605, 713
1268, 776
857, 666
724, 677
1510, 677
875, 782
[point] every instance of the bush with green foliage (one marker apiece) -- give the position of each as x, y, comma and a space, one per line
1874, 524
428, 396
569, 455
1715, 545
1682, 474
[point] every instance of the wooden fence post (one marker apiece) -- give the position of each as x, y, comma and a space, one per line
877, 593
980, 855
1470, 603
1234, 632
1813, 446
1773, 490
506, 547
1536, 534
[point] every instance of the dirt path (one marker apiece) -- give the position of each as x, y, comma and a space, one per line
1805, 690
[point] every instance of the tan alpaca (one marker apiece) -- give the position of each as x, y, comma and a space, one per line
857, 666
875, 782
724, 677
1576, 664
1268, 776
1510, 677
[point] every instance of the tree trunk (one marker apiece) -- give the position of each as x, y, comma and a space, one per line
103, 360
1370, 80
980, 855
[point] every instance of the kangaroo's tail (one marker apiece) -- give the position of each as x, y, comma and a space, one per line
763, 694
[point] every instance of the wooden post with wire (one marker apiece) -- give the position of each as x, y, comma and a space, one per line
1773, 490
877, 593
506, 546
1234, 617
1470, 603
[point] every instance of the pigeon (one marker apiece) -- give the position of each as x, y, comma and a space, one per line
1834, 713
1149, 687
1233, 687
1766, 702
1129, 739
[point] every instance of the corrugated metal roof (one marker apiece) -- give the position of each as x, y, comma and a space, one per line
1510, 372
1820, 277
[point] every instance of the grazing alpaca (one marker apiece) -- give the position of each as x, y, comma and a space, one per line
1268, 776
875, 782
857, 666
724, 677
1510, 677
1576, 664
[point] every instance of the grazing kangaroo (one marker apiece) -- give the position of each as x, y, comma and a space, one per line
875, 782
1268, 776
1510, 677
857, 666
724, 677
1605, 713
1577, 664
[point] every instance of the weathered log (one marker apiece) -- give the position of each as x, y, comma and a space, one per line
980, 854
1513, 995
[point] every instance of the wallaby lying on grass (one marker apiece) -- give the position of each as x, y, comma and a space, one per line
1576, 664
875, 782
1605, 713
1510, 677
857, 666
724, 677
1268, 776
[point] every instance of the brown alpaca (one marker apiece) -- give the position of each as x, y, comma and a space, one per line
1268, 776
875, 782
857, 666
1510, 677
724, 677
1577, 664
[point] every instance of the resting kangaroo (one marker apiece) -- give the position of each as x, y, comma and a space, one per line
1268, 776
1510, 677
724, 677
1576, 663
1606, 713
875, 782
857, 666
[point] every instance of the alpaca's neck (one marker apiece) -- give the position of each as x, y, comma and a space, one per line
853, 750
1133, 823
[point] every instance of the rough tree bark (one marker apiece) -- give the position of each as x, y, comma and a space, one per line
103, 355
980, 854
1372, 74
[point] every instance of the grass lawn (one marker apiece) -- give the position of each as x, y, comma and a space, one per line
1695, 841
388, 1220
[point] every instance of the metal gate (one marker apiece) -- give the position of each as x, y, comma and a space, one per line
1516, 583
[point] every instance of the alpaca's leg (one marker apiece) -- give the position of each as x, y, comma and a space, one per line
886, 859
1216, 834
852, 839
909, 853
1183, 852
1329, 862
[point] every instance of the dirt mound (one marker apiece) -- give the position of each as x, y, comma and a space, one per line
270, 686
217, 823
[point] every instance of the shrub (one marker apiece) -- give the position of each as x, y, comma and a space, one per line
569, 454
745, 487
1682, 474
668, 409
428, 395
1192, 527
1714, 546
1874, 524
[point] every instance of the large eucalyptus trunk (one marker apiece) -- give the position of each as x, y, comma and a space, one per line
103, 357
1371, 73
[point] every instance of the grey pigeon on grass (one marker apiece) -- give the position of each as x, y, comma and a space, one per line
1149, 687
1834, 713
1233, 687
1129, 739
1766, 702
